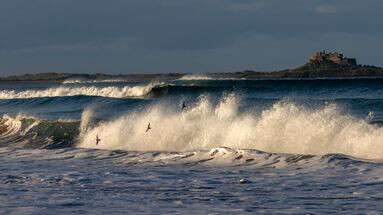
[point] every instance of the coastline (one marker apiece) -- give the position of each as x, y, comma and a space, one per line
294, 74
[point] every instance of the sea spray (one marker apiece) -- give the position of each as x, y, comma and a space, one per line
284, 128
86, 120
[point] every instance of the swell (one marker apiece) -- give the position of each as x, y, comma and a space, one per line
277, 88
58, 104
150, 90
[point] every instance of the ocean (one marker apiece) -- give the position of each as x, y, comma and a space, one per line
195, 145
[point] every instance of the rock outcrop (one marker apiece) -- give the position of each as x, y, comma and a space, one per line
330, 60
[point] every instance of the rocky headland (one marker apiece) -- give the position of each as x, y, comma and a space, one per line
323, 65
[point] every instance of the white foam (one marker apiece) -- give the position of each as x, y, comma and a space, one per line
112, 91
86, 120
204, 77
9, 125
85, 81
13, 125
284, 128
195, 77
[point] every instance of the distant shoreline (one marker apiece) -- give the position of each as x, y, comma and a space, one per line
322, 65
296, 74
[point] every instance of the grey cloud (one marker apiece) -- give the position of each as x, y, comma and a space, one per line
243, 7
325, 9
70, 32
193, 24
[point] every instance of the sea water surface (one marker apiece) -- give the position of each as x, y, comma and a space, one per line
239, 146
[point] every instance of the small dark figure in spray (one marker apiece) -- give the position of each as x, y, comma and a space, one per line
183, 106
148, 128
97, 139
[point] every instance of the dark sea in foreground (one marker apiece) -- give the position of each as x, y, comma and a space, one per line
238, 147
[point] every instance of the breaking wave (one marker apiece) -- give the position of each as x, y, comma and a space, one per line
195, 77
29, 132
85, 81
25, 132
283, 128
206, 126
206, 77
150, 90
111, 91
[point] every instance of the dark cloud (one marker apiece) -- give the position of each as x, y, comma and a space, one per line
71, 32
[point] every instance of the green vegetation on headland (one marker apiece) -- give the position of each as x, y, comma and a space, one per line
320, 65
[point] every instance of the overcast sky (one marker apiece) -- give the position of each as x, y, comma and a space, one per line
186, 36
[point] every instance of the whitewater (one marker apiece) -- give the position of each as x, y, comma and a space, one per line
239, 146
109, 91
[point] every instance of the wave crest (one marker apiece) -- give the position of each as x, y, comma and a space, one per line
85, 81
195, 77
112, 91
29, 132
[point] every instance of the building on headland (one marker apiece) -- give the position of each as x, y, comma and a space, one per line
332, 58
